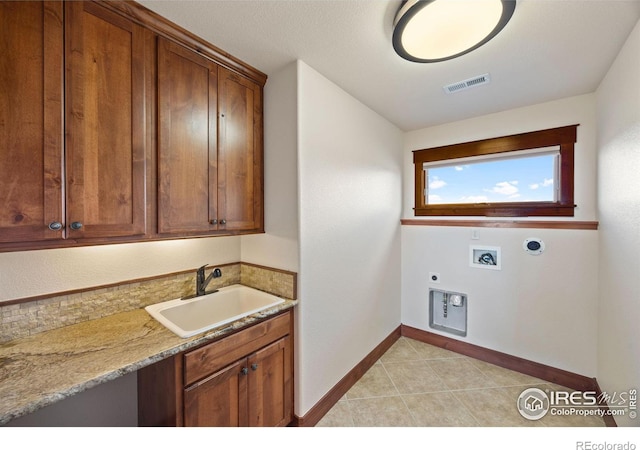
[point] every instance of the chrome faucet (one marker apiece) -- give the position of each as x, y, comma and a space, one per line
202, 282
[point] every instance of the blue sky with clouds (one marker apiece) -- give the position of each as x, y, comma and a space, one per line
506, 180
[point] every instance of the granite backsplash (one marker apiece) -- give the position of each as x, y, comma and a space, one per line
25, 318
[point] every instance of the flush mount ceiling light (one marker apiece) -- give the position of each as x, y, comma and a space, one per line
438, 30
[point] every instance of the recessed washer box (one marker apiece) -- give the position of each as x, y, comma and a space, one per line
448, 311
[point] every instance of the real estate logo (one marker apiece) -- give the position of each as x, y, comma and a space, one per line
533, 404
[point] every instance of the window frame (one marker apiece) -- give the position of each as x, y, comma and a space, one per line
564, 137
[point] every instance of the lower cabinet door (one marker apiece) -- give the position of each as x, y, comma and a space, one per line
270, 398
256, 391
219, 400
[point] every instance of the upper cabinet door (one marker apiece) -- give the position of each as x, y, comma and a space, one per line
187, 150
240, 168
105, 123
31, 86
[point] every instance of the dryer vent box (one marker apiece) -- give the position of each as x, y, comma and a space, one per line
448, 311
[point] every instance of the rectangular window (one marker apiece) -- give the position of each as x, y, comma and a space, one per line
525, 176
528, 174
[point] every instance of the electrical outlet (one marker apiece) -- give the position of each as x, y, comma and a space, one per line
434, 277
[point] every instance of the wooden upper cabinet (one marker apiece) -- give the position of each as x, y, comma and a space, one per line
209, 145
105, 123
31, 82
240, 167
118, 126
187, 144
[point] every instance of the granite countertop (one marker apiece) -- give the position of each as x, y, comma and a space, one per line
47, 367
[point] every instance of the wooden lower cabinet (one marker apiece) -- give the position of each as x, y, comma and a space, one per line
217, 401
245, 379
270, 398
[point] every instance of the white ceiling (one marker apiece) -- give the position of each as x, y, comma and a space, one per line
550, 49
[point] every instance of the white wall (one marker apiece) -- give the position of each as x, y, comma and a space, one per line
618, 101
350, 168
279, 246
542, 308
37, 272
569, 111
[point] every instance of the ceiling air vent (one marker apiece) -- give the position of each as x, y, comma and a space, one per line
466, 84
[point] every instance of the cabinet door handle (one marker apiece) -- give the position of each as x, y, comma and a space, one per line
55, 226
244, 371
76, 225
223, 221
254, 367
213, 221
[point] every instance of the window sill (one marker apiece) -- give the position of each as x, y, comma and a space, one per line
534, 209
554, 225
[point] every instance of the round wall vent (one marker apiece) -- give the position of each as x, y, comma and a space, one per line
533, 246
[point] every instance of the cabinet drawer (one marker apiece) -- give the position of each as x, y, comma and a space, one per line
205, 360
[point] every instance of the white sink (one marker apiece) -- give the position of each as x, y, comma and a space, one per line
189, 317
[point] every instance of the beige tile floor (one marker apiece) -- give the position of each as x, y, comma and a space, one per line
417, 384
